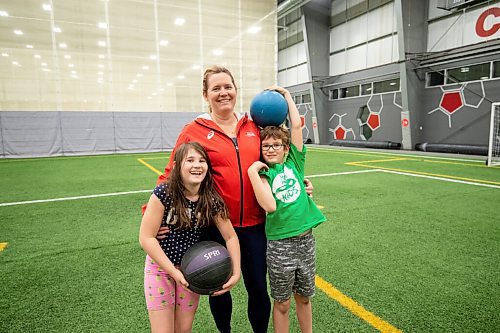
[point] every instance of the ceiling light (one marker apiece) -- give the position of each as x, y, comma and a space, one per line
139, 75
100, 66
145, 67
67, 56
29, 46
134, 81
101, 56
152, 57
18, 32
71, 65
4, 13
15, 63
57, 29
195, 67
63, 45
99, 73
179, 21
164, 42
254, 29
181, 77
47, 7
43, 64
45, 69
101, 43
218, 52
392, 83
73, 72
5, 54
169, 84
37, 56
464, 69
102, 25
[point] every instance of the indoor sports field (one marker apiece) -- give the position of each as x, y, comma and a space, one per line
412, 243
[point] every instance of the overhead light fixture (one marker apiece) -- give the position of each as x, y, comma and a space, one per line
63, 45
47, 7
15, 63
67, 56
71, 65
392, 83
101, 43
4, 13
254, 29
145, 67
44, 64
100, 66
464, 69
181, 77
164, 42
37, 56
179, 21
218, 52
29, 46
101, 56
195, 67
5, 54
57, 29
102, 25
152, 57
18, 32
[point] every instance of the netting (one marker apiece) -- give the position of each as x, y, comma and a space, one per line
494, 140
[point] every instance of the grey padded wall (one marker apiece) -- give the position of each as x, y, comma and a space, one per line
35, 134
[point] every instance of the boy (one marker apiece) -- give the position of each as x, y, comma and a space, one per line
291, 215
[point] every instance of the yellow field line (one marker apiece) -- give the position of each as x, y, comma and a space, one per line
3, 246
150, 166
425, 173
155, 158
354, 307
459, 163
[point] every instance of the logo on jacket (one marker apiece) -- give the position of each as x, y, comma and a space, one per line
210, 135
249, 134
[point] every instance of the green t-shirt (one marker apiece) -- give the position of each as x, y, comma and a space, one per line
295, 211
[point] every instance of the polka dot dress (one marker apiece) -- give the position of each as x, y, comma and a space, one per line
176, 242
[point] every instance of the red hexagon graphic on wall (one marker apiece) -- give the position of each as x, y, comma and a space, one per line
454, 100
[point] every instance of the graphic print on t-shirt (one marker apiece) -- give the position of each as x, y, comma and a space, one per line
285, 186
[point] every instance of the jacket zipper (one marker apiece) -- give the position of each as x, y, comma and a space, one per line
241, 179
239, 167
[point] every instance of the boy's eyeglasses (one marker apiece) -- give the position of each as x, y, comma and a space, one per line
275, 146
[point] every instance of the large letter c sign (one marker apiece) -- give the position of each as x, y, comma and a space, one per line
480, 30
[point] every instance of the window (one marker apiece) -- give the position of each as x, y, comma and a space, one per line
334, 94
496, 69
366, 89
349, 91
468, 73
385, 86
306, 98
435, 78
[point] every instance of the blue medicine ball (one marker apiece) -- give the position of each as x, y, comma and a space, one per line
269, 108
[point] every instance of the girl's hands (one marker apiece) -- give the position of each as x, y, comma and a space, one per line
179, 277
228, 285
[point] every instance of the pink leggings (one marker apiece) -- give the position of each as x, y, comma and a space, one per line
163, 292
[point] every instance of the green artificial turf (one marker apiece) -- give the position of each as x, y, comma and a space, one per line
420, 254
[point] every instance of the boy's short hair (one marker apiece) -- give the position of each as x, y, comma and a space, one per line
276, 132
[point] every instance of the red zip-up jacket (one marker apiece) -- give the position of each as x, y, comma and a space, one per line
230, 162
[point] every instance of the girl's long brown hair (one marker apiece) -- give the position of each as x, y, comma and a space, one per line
208, 197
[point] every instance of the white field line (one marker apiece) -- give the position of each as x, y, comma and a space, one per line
309, 176
440, 178
72, 198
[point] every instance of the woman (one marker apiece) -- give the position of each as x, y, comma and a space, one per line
232, 142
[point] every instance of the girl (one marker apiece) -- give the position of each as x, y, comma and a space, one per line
186, 203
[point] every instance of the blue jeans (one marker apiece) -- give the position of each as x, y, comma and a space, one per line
253, 245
